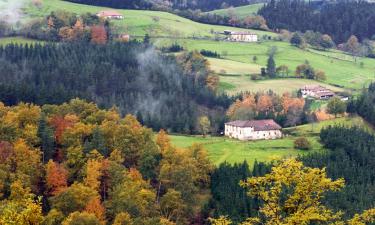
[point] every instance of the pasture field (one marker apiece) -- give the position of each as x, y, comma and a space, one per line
339, 70
233, 67
221, 149
17, 40
240, 12
242, 83
138, 22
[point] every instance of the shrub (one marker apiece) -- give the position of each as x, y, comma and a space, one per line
302, 143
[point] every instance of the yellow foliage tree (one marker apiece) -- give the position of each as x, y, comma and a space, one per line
93, 174
292, 193
20, 208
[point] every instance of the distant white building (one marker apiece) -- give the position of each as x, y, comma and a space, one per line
241, 36
316, 91
110, 15
253, 129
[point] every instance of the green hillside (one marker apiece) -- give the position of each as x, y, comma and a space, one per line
166, 28
137, 22
340, 68
240, 12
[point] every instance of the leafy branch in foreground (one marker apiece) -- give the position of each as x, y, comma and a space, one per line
292, 194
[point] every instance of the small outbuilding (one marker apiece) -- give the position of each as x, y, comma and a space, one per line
253, 129
109, 14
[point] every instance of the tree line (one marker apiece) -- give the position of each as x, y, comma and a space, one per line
363, 104
339, 19
167, 4
163, 91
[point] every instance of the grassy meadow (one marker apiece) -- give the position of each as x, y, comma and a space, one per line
339, 70
17, 40
233, 84
137, 22
221, 149
240, 12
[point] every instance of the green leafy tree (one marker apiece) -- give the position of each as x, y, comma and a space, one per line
204, 125
297, 39
336, 106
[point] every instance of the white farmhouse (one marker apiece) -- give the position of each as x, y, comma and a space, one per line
241, 36
253, 129
316, 91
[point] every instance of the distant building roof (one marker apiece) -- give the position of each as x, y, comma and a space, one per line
258, 125
238, 32
109, 13
241, 33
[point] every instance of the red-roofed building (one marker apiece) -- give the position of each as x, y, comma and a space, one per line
253, 129
110, 15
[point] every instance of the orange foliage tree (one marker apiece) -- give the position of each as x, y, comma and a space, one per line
98, 34
56, 178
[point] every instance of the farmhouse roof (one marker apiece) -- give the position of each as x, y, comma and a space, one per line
109, 13
258, 125
241, 33
325, 93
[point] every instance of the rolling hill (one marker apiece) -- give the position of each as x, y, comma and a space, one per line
240, 12
166, 28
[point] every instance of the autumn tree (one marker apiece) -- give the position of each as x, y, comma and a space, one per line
305, 188
78, 218
123, 218
353, 45
56, 178
98, 34
22, 207
264, 103
320, 75
302, 206
163, 141
74, 198
94, 206
172, 206
93, 174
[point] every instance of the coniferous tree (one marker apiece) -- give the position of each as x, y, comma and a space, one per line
47, 140
271, 67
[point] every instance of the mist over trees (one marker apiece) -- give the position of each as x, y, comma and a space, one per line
164, 92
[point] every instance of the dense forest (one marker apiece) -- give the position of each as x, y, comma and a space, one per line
364, 104
351, 156
77, 164
340, 19
205, 5
163, 91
